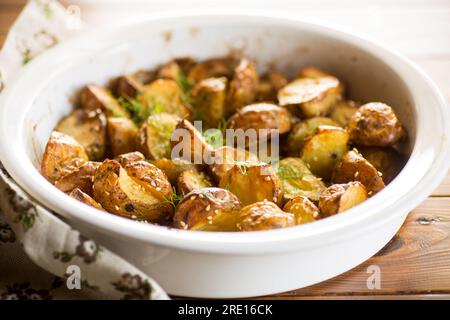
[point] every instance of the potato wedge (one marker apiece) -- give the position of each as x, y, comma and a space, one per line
212, 68
243, 87
264, 215
343, 111
297, 180
81, 178
312, 96
138, 191
94, 97
354, 167
173, 167
164, 95
340, 197
303, 210
208, 209
154, 138
302, 130
79, 195
208, 100
128, 86
122, 135
191, 180
323, 149
129, 157
387, 160
269, 84
62, 155
253, 182
375, 124
88, 128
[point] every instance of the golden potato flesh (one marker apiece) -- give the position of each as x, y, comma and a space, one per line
243, 87
340, 197
208, 209
88, 128
303, 210
375, 124
269, 85
323, 149
353, 167
313, 96
264, 215
79, 195
139, 191
253, 182
155, 134
208, 100
173, 167
312, 72
191, 180
224, 158
81, 178
387, 160
212, 68
129, 157
343, 111
297, 180
302, 130
122, 135
62, 155
94, 97
128, 87
164, 95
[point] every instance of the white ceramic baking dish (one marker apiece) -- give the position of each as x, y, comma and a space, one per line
204, 264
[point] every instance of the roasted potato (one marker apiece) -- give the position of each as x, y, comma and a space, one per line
303, 209
138, 190
62, 155
340, 197
94, 97
264, 215
253, 182
164, 95
312, 96
176, 68
375, 124
297, 180
128, 87
208, 209
302, 130
343, 111
155, 134
323, 149
208, 100
191, 180
144, 76
224, 158
269, 85
173, 167
312, 72
129, 157
243, 87
79, 195
189, 144
88, 128
354, 167
80, 178
387, 160
122, 135
212, 68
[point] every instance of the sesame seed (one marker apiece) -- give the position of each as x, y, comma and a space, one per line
116, 207
216, 211
192, 198
275, 199
267, 178
356, 174
208, 207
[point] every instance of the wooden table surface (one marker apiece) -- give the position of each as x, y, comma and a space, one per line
416, 263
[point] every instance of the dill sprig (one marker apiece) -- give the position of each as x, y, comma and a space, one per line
139, 113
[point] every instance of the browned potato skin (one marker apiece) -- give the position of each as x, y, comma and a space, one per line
244, 86
264, 215
129, 157
340, 197
208, 99
94, 97
83, 197
312, 72
128, 87
375, 124
224, 158
353, 167
261, 116
108, 191
81, 178
173, 167
122, 135
303, 209
211, 68
253, 183
387, 160
191, 180
269, 85
88, 128
201, 206
62, 156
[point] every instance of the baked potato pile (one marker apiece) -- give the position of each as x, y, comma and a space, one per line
115, 150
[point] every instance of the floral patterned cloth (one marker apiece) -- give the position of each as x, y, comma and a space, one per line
41, 256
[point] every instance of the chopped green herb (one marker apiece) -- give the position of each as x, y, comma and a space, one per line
174, 198
139, 113
214, 137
